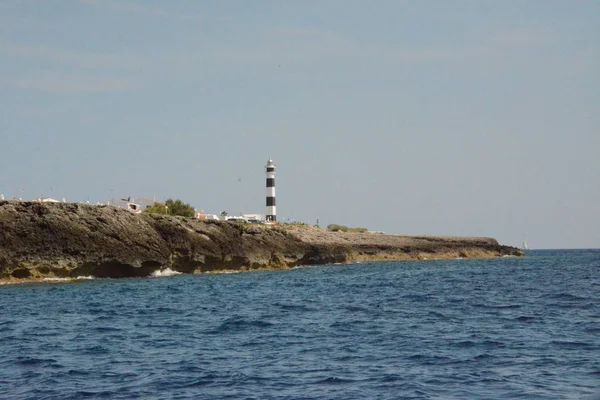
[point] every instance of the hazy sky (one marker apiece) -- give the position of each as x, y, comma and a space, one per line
419, 117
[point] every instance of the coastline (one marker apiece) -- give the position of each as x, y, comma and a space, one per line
51, 279
68, 240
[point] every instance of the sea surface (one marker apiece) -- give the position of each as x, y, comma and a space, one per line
506, 328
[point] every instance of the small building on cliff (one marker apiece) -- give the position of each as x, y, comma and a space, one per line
132, 204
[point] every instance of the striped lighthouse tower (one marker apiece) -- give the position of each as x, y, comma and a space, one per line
271, 208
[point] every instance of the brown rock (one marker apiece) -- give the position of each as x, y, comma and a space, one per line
70, 240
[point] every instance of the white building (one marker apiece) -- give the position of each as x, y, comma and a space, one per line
127, 204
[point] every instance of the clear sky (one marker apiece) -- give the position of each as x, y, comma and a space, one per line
420, 117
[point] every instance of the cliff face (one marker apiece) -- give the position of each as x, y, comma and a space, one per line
70, 240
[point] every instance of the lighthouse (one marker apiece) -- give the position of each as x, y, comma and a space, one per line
271, 215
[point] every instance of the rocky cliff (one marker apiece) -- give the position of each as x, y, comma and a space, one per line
68, 240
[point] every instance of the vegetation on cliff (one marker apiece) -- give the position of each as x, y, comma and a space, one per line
172, 207
342, 228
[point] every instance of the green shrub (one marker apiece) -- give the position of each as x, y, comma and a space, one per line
337, 228
357, 230
156, 208
342, 228
172, 207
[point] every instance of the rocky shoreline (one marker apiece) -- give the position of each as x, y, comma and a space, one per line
69, 240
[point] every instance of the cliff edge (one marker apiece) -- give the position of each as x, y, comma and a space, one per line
40, 240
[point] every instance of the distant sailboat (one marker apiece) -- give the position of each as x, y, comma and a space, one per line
525, 247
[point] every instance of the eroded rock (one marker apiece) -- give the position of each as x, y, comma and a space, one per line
70, 240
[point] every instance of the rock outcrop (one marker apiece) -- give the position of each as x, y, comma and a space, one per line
68, 240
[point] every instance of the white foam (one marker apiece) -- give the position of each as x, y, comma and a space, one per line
164, 272
303, 266
57, 279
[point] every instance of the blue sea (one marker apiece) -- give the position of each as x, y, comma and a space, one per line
506, 328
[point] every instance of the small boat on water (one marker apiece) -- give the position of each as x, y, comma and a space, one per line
525, 246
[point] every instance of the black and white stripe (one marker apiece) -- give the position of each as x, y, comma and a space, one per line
271, 215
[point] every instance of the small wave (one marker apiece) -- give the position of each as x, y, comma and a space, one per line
428, 358
524, 318
438, 315
484, 356
566, 297
417, 298
484, 343
565, 344
356, 309
334, 381
165, 309
77, 372
493, 344
57, 279
85, 278
499, 306
391, 378
294, 307
95, 350
26, 361
106, 329
106, 394
204, 381
161, 273
235, 325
